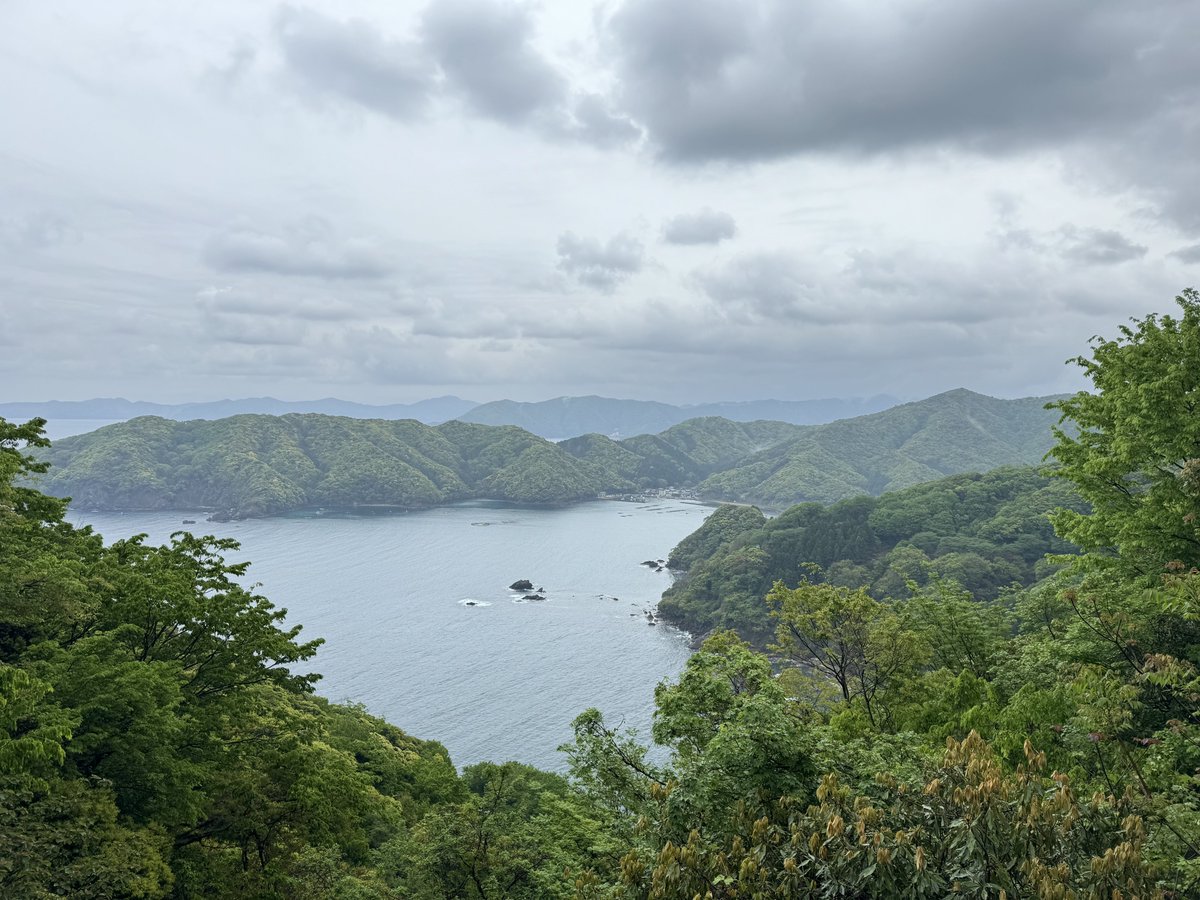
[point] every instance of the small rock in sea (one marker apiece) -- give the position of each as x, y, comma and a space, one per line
661, 561
541, 590
469, 603
649, 562
658, 568
533, 597
189, 521
523, 584
651, 622
616, 598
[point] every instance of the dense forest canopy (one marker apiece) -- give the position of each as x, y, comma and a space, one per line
157, 739
985, 532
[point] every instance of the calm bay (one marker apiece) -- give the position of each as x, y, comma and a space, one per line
421, 627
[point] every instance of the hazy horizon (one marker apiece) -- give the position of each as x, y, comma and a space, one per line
895, 398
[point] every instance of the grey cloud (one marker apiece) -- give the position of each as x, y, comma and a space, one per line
1097, 246
309, 249
231, 301
1189, 255
704, 227
37, 231
601, 266
481, 51
227, 76
353, 62
485, 50
594, 122
766, 286
734, 80
254, 331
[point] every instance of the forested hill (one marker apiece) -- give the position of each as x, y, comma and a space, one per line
259, 465
775, 465
985, 532
567, 417
958, 431
682, 455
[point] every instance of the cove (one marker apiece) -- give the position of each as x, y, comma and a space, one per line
421, 628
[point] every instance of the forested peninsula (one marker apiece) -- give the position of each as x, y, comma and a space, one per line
984, 532
905, 738
256, 465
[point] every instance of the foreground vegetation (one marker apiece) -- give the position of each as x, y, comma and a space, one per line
157, 738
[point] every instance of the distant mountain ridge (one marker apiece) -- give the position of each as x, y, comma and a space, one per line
432, 411
958, 431
568, 417
775, 465
557, 419
260, 465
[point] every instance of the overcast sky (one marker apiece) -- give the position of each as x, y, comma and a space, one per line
681, 200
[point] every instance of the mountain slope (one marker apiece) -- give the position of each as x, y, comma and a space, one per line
984, 531
259, 465
567, 417
957, 431
683, 454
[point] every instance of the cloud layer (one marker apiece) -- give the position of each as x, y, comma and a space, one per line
678, 200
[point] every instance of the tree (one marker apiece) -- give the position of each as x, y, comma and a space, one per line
860, 643
1136, 452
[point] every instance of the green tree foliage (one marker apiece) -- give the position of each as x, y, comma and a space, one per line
1134, 449
726, 524
846, 636
984, 531
519, 833
155, 737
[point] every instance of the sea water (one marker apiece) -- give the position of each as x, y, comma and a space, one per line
420, 625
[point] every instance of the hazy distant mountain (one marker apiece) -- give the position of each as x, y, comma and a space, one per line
567, 417
438, 409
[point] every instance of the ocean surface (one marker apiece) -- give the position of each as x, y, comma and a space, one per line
421, 628
61, 428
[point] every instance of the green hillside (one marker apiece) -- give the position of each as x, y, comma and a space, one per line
958, 431
984, 531
682, 455
567, 417
260, 465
